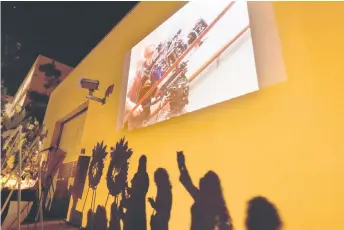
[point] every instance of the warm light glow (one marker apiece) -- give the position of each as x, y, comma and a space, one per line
13, 183
283, 142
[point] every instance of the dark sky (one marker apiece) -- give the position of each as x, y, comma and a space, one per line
64, 31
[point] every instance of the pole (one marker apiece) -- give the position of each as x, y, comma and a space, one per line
41, 200
8, 198
19, 177
40, 192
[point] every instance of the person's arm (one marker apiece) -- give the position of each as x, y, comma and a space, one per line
152, 203
129, 105
132, 93
185, 178
134, 86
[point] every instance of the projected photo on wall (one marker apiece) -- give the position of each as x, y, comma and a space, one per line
201, 56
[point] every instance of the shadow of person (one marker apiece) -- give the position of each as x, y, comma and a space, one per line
73, 211
262, 215
115, 217
90, 221
163, 202
209, 210
100, 219
135, 216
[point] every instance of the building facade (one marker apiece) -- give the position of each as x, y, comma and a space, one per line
36, 81
283, 142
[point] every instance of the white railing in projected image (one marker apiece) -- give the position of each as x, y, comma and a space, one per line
206, 64
178, 61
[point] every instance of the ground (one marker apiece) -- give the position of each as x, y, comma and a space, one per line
48, 225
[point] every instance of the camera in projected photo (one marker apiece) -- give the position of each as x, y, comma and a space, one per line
201, 56
174, 92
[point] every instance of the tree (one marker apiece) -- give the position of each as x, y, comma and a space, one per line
10, 51
37, 105
3, 97
35, 109
52, 75
14, 62
51, 82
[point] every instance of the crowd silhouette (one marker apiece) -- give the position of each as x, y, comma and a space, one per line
208, 212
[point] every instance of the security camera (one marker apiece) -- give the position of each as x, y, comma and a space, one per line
92, 85
89, 84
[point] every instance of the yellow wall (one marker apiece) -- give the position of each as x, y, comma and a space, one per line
40, 79
284, 142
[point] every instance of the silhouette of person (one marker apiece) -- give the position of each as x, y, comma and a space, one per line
163, 203
115, 217
209, 210
90, 221
73, 210
262, 215
100, 219
135, 216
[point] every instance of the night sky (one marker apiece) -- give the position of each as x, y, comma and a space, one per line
64, 31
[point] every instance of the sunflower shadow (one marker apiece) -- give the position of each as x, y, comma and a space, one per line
117, 181
95, 173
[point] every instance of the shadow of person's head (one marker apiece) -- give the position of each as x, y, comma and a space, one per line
142, 164
210, 192
211, 199
262, 215
90, 221
162, 179
100, 218
210, 185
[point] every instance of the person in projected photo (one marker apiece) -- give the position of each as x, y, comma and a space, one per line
209, 210
142, 82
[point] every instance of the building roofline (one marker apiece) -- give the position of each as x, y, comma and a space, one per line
113, 28
40, 55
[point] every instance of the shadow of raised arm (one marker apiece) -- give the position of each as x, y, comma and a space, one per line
184, 177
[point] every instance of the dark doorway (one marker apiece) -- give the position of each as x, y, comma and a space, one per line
60, 203
69, 141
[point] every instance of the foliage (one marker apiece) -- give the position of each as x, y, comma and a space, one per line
13, 122
51, 82
28, 141
13, 62
10, 51
97, 165
117, 174
3, 95
38, 98
52, 75
50, 70
35, 109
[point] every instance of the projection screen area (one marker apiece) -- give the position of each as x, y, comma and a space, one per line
205, 54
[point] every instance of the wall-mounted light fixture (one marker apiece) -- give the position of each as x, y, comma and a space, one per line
92, 85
